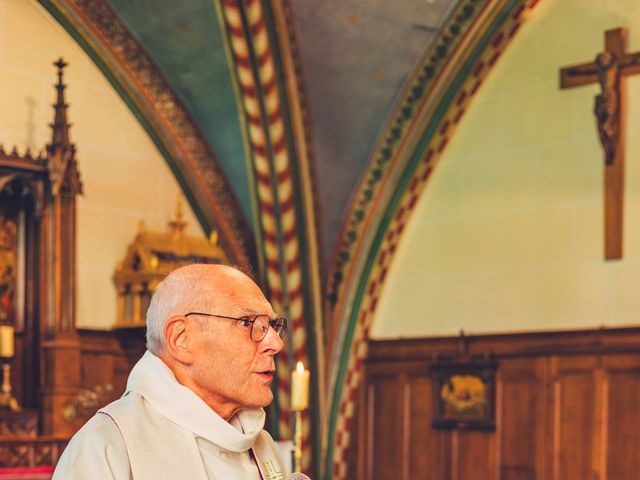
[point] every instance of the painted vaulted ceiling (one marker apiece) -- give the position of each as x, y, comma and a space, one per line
355, 57
304, 131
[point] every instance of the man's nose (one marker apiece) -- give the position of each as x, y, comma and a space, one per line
272, 342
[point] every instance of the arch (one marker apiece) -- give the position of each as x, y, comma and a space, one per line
29, 189
434, 102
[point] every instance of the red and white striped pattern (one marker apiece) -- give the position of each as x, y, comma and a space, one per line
285, 284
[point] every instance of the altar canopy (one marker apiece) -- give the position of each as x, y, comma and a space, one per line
151, 257
37, 304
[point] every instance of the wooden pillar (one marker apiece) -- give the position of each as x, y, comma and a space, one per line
136, 291
63, 378
61, 355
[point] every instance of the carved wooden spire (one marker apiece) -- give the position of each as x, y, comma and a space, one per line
61, 152
60, 125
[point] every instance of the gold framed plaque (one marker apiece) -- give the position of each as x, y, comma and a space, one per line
464, 396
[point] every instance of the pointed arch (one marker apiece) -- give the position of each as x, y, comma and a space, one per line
434, 102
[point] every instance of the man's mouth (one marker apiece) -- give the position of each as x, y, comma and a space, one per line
267, 374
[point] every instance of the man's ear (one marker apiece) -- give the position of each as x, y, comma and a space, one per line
177, 338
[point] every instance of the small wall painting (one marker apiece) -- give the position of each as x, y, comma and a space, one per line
465, 396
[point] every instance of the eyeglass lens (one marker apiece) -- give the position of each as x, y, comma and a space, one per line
261, 325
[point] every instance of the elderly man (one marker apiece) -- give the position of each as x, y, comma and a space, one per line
193, 404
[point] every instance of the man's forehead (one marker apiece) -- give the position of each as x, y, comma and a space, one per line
208, 271
217, 278
233, 289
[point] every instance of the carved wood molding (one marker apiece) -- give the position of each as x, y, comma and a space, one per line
18, 424
601, 340
37, 452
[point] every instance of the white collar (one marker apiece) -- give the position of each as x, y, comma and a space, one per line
153, 379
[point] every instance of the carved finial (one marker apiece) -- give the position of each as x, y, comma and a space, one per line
60, 124
14, 152
141, 227
178, 225
179, 208
61, 161
213, 238
60, 63
1, 149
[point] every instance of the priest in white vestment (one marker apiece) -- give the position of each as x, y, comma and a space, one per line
193, 406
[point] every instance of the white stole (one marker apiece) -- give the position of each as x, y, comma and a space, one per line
159, 449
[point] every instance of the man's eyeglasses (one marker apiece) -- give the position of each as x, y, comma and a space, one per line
259, 324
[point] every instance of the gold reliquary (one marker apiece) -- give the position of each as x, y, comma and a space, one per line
150, 257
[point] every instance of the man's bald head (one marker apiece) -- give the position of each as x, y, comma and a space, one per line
190, 288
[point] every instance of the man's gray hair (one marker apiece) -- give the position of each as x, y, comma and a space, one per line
180, 292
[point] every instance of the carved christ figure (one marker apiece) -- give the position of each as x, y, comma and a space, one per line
607, 104
609, 70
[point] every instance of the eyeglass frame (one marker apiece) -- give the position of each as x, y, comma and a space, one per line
273, 323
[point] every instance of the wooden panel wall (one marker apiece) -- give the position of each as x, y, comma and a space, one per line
83, 362
108, 357
89, 360
567, 408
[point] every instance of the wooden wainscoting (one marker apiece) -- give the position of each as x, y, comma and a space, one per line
567, 408
72, 393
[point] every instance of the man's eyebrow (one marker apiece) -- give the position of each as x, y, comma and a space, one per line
243, 311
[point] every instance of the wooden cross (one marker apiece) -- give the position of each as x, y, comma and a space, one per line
609, 69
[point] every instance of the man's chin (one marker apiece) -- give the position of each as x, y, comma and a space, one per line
267, 400
261, 401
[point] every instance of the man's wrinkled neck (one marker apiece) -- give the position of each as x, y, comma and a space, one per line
224, 409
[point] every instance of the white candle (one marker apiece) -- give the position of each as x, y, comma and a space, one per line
6, 341
299, 388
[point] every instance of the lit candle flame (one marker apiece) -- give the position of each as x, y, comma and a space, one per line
300, 367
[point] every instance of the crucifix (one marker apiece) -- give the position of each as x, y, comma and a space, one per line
609, 69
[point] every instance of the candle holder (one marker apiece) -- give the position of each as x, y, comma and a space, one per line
297, 442
299, 403
7, 400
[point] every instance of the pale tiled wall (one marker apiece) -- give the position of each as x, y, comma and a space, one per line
125, 178
509, 234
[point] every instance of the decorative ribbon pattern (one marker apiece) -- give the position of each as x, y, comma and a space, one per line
256, 75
